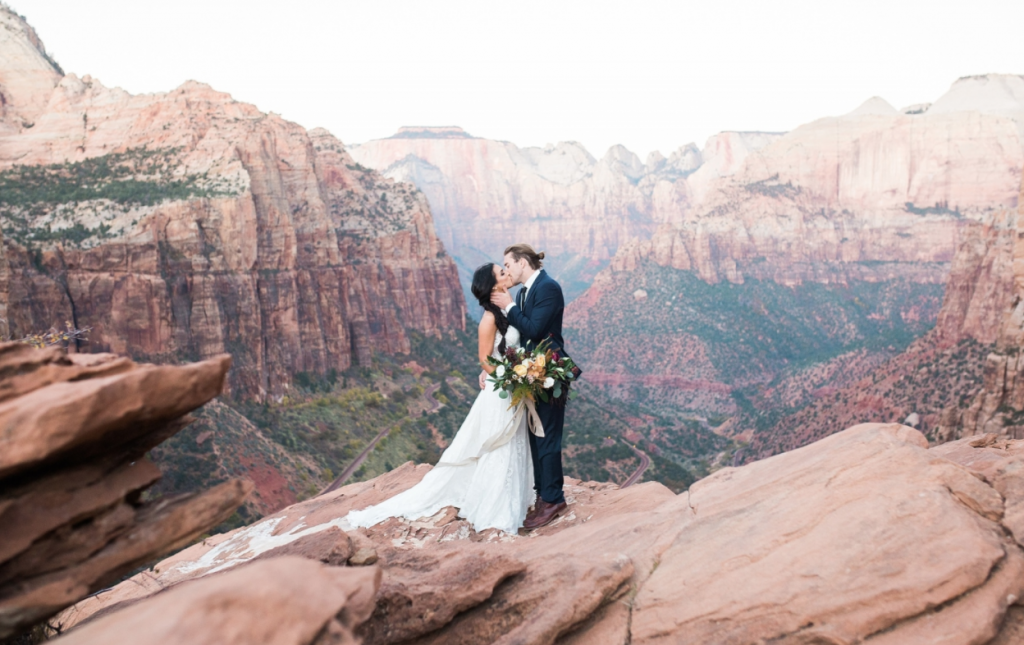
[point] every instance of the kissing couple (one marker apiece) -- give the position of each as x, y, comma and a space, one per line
495, 468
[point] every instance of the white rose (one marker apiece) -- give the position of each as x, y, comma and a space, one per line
500, 371
549, 383
527, 363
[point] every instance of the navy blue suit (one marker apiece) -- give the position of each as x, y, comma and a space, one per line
537, 318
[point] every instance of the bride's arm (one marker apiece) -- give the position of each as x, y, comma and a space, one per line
486, 332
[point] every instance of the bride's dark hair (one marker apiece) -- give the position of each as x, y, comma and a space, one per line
483, 284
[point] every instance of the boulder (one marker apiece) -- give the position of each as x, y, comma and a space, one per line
423, 590
281, 601
1000, 462
74, 430
332, 546
862, 532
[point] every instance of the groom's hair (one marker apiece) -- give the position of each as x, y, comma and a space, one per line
520, 251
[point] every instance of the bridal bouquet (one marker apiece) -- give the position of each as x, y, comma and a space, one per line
543, 374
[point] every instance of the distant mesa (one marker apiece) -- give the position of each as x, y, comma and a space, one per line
875, 105
999, 94
431, 132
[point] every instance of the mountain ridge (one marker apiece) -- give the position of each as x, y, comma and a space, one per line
185, 224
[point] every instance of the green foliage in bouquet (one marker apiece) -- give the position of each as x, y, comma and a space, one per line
541, 375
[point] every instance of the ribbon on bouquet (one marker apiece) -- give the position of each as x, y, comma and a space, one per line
533, 421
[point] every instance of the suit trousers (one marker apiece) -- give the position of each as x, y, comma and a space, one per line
546, 452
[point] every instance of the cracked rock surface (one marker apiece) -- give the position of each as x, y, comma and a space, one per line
866, 536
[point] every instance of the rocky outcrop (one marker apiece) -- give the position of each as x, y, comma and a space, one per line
74, 432
980, 289
185, 224
992, 274
866, 536
28, 75
304, 602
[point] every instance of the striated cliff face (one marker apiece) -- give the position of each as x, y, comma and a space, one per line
488, 194
75, 474
28, 74
984, 302
874, 185
186, 224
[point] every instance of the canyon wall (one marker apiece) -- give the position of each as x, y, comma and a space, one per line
488, 194
962, 378
186, 224
984, 302
788, 268
875, 185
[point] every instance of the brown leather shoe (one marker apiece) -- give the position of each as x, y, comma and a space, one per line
537, 508
544, 516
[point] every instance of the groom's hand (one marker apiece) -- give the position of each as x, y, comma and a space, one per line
501, 299
483, 380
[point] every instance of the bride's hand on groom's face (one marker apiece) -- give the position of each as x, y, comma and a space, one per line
501, 299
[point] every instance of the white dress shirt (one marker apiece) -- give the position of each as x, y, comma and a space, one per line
526, 291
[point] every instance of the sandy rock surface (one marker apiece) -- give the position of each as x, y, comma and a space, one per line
283, 601
866, 536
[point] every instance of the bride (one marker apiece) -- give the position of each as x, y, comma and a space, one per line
486, 472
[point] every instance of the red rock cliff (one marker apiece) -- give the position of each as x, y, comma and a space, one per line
187, 224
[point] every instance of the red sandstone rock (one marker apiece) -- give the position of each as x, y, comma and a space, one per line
879, 533
73, 433
485, 193
282, 601
858, 537
52, 421
423, 590
999, 462
1013, 628
331, 547
806, 205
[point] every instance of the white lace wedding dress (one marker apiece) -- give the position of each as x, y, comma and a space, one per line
486, 472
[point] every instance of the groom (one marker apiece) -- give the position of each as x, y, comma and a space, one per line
537, 314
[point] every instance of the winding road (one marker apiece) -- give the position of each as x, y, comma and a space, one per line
645, 461
435, 405
357, 462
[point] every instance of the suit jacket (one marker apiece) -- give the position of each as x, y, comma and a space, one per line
540, 317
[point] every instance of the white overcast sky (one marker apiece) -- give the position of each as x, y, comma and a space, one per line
649, 75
